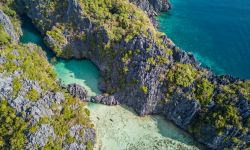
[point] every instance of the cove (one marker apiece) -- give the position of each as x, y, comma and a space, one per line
215, 31
118, 127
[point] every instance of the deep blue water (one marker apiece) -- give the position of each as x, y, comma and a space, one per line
217, 32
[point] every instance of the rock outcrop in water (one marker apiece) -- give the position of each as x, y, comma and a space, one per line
35, 113
152, 7
77, 91
143, 69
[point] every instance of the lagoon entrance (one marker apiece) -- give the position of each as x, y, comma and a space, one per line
118, 127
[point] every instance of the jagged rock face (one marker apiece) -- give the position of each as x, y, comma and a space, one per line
141, 85
42, 136
77, 91
8, 26
152, 7
41, 104
181, 111
75, 131
144, 102
106, 100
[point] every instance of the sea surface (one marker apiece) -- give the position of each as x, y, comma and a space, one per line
118, 127
217, 32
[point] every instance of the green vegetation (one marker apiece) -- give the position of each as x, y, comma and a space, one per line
122, 21
115, 16
244, 89
32, 62
204, 91
144, 89
33, 95
162, 60
35, 67
12, 128
225, 114
126, 59
4, 38
90, 146
63, 120
182, 74
17, 85
151, 61
58, 37
7, 6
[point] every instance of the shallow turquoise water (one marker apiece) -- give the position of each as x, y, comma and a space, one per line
118, 127
82, 72
68, 71
217, 32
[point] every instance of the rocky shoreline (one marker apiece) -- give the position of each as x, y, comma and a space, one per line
143, 69
35, 112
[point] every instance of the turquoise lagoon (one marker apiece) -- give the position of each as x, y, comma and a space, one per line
118, 127
217, 32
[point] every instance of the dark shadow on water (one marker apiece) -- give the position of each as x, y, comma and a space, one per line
32, 35
82, 69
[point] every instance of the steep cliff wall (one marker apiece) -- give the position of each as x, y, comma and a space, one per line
35, 112
142, 68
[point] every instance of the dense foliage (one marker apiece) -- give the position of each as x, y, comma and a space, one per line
7, 6
122, 21
4, 38
31, 62
204, 91
182, 75
56, 34
119, 17
12, 128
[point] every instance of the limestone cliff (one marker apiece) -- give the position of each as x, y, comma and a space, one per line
143, 69
35, 113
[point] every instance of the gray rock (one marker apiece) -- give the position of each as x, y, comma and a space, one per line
59, 97
28, 85
2, 60
90, 135
152, 7
8, 26
49, 98
77, 132
77, 91
181, 110
6, 89
106, 100
20, 104
76, 146
39, 110
127, 87
82, 137
41, 136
